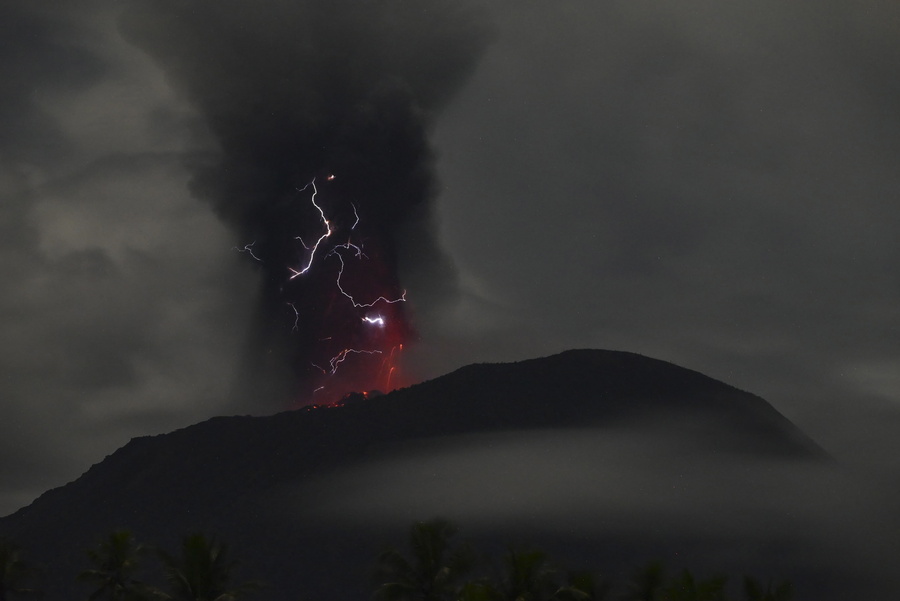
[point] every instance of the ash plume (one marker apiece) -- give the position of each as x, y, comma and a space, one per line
293, 92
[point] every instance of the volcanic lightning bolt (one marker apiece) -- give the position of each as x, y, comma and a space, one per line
328, 230
248, 248
296, 317
342, 359
339, 358
380, 299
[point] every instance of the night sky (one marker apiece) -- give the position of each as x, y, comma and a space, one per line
712, 184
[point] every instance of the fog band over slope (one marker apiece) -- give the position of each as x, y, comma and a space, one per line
342, 94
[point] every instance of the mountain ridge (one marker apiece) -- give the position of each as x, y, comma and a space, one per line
492, 408
216, 473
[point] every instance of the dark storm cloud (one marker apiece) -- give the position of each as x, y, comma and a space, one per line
295, 90
106, 319
37, 54
32, 57
111, 294
714, 184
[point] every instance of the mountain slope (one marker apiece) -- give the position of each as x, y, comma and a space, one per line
222, 475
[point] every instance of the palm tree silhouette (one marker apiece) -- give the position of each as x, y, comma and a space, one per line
14, 571
583, 586
434, 570
686, 588
754, 591
203, 572
116, 561
646, 584
528, 577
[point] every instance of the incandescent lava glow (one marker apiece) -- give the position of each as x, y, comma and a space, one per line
343, 305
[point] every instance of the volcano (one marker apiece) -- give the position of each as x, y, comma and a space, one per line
307, 498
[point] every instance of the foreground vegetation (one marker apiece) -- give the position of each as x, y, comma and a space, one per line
201, 571
432, 569
436, 570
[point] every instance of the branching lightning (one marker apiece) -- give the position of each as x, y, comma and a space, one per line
339, 358
296, 316
328, 230
347, 246
400, 299
248, 248
318, 253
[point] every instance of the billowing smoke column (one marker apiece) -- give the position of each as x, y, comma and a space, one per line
321, 110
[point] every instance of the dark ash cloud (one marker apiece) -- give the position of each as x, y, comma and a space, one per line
293, 91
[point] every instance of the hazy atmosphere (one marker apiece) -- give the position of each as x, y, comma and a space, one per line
712, 184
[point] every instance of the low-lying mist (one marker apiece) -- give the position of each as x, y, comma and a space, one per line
622, 495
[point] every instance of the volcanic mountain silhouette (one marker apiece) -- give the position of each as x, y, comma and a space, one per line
229, 475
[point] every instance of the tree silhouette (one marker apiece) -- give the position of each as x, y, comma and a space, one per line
686, 588
528, 577
754, 591
479, 590
203, 572
583, 586
434, 570
646, 584
14, 571
116, 561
